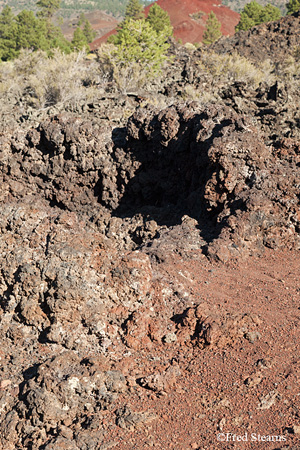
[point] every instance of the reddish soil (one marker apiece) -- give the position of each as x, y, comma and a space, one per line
191, 30
185, 27
247, 388
97, 42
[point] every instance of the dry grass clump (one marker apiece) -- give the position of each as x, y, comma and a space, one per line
289, 69
36, 81
228, 68
189, 92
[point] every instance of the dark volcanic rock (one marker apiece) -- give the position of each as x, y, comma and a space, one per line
86, 214
213, 165
209, 163
272, 40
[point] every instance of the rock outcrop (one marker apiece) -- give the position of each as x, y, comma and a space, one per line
272, 40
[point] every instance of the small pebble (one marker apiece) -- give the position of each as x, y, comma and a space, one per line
296, 429
4, 384
252, 336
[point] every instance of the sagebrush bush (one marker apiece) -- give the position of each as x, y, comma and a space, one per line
126, 76
234, 67
289, 69
190, 93
37, 81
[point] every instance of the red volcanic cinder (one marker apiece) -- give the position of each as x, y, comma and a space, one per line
188, 18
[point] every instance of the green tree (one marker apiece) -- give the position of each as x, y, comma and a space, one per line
26, 31
254, 14
269, 13
138, 42
81, 20
293, 6
48, 8
86, 27
79, 41
159, 20
54, 35
213, 29
88, 31
134, 10
8, 29
31, 32
249, 16
56, 39
83, 35
245, 22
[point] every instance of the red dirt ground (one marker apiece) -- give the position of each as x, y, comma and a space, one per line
248, 389
185, 27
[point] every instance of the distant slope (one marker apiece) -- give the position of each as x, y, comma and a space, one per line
189, 18
101, 22
71, 7
273, 40
117, 7
238, 5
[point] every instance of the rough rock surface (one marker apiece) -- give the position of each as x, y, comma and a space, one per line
209, 163
117, 311
273, 40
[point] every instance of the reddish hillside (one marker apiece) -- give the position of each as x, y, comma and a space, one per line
189, 28
188, 18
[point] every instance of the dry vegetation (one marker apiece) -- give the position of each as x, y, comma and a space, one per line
235, 68
34, 83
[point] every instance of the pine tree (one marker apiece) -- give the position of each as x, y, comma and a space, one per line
88, 31
269, 13
8, 29
54, 35
160, 20
134, 10
28, 31
254, 14
245, 22
293, 6
79, 40
138, 42
81, 19
213, 29
31, 32
56, 39
48, 8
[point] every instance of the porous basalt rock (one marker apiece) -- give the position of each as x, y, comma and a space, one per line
214, 164
87, 215
210, 163
278, 39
